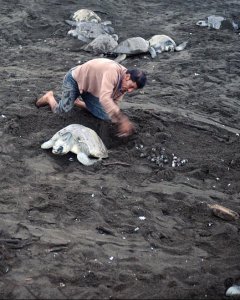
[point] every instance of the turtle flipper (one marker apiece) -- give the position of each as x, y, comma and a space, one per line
47, 145
106, 23
82, 38
120, 58
152, 51
182, 46
71, 23
85, 160
50, 143
77, 33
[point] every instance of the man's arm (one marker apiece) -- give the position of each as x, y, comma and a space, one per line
125, 127
108, 85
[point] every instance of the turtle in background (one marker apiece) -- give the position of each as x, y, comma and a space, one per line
102, 44
87, 31
163, 43
88, 25
86, 15
132, 46
219, 22
80, 140
156, 44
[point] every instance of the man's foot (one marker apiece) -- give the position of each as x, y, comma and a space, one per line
79, 103
44, 100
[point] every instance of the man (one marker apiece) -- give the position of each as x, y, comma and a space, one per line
101, 83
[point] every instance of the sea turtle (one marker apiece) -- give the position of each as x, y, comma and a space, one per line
87, 31
163, 43
80, 140
102, 44
86, 15
156, 44
131, 46
219, 22
233, 290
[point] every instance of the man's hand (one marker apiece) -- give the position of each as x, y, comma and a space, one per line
125, 127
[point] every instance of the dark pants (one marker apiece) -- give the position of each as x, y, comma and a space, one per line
70, 92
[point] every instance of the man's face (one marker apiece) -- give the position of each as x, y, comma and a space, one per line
127, 84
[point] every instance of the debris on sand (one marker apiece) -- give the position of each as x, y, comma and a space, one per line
223, 212
160, 157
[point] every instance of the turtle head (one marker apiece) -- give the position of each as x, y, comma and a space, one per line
115, 37
202, 23
169, 47
63, 145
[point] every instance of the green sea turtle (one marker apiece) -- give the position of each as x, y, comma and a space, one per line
102, 44
80, 140
156, 44
219, 22
163, 43
86, 15
87, 31
132, 46
233, 290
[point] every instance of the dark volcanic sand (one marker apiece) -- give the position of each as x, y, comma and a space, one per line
74, 232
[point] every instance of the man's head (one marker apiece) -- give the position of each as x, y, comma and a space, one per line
132, 80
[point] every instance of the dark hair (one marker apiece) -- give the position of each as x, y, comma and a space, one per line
138, 76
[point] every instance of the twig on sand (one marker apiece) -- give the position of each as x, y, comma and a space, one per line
116, 163
154, 115
56, 249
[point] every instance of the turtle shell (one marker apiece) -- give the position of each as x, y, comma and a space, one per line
104, 43
89, 138
134, 45
86, 15
92, 30
161, 41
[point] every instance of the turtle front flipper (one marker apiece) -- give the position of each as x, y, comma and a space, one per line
152, 51
120, 58
50, 143
47, 145
77, 34
71, 23
182, 46
106, 23
83, 38
85, 160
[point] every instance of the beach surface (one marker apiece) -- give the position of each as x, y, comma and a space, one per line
132, 226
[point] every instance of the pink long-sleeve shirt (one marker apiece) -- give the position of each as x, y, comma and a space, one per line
102, 78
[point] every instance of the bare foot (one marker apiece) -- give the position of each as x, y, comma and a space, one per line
79, 103
47, 99
43, 101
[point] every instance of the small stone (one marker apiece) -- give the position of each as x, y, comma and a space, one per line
223, 212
